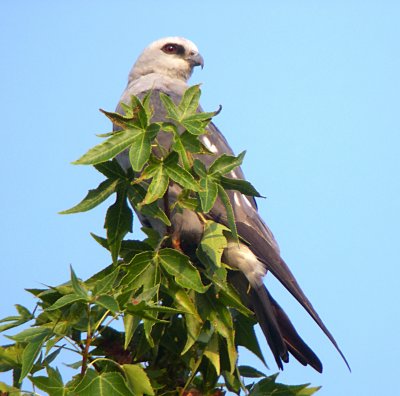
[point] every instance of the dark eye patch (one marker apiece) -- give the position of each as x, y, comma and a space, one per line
172, 48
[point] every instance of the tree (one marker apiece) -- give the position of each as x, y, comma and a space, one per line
182, 320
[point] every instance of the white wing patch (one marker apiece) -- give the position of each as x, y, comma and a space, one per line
246, 200
236, 198
209, 145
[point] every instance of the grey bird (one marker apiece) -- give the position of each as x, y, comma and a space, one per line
165, 66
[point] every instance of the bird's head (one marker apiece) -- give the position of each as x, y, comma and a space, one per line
174, 57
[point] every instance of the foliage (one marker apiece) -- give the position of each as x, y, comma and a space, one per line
182, 321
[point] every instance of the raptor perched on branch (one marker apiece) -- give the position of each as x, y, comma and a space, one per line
165, 66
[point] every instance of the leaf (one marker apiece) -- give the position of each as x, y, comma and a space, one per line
193, 330
65, 300
268, 386
31, 352
226, 163
213, 243
139, 153
105, 284
190, 101
250, 372
77, 285
191, 143
108, 302
118, 223
178, 174
10, 357
136, 194
240, 185
195, 126
139, 111
104, 384
111, 169
229, 212
208, 193
246, 336
170, 106
131, 323
109, 148
212, 353
221, 320
157, 187
94, 197
179, 266
52, 383
137, 379
138, 269
31, 334
24, 316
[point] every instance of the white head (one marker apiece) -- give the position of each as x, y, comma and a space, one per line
174, 57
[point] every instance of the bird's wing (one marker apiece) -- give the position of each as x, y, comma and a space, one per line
255, 232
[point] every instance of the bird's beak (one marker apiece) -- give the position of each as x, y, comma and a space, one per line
196, 60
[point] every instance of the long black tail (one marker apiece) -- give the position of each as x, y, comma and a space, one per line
279, 331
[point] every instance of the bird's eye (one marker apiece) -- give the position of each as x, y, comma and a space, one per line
170, 48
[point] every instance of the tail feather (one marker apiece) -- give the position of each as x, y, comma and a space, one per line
279, 332
297, 347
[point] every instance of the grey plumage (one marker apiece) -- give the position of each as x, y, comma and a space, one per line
165, 66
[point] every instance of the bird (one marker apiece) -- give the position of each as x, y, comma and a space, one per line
165, 66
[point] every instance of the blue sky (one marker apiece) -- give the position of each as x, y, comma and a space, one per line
310, 89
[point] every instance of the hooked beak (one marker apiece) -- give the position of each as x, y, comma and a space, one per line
196, 60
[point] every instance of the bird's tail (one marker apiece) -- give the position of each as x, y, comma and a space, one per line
279, 331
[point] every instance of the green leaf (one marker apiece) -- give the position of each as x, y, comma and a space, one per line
105, 284
118, 223
111, 169
51, 384
10, 357
213, 243
108, 302
137, 379
140, 151
268, 386
170, 106
190, 101
24, 316
136, 194
221, 320
226, 163
77, 285
229, 212
195, 126
138, 270
158, 186
179, 266
178, 174
250, 372
139, 111
178, 146
31, 334
240, 185
109, 148
103, 384
246, 336
212, 353
66, 300
31, 352
208, 193
94, 197
131, 323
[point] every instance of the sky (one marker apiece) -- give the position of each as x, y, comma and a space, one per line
310, 89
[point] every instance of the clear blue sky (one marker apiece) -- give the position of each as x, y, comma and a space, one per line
310, 89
